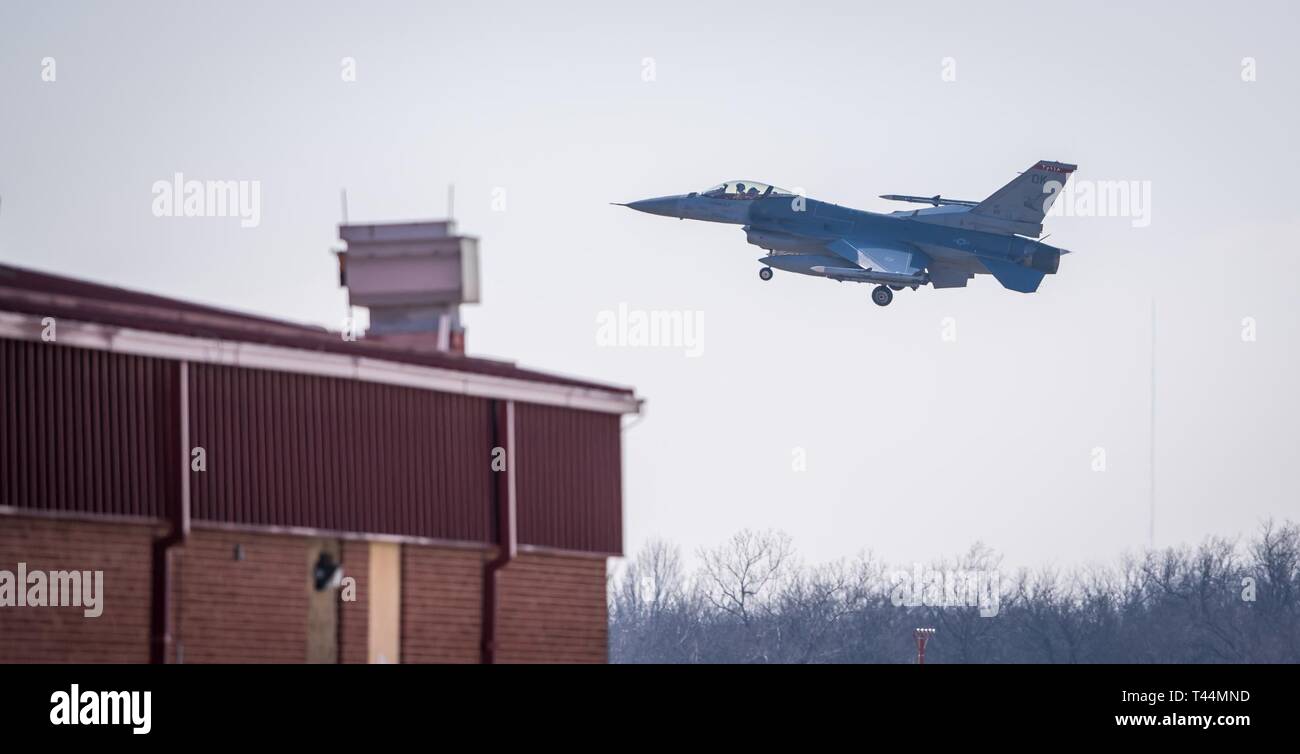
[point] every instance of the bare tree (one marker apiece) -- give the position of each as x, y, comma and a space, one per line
751, 600
652, 618
740, 576
810, 607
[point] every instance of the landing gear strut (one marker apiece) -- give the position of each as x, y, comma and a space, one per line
765, 273
882, 295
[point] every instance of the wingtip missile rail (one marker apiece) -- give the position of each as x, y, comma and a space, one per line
935, 200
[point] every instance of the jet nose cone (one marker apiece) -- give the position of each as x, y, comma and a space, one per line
668, 206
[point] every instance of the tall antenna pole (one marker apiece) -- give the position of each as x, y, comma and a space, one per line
1151, 487
451, 201
349, 328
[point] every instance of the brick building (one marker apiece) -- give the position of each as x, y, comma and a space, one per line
214, 465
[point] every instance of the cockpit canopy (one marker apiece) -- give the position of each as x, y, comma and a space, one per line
744, 190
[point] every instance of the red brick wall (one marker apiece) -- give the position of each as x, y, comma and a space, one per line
64, 634
442, 604
552, 607
230, 611
354, 617
553, 610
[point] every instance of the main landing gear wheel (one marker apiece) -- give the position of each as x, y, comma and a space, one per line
765, 273
882, 295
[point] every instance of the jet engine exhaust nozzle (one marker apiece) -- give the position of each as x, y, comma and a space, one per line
1045, 260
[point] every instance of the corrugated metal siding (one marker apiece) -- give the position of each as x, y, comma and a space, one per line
95, 432
298, 450
86, 431
569, 485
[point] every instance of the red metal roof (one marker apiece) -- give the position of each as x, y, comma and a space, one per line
39, 293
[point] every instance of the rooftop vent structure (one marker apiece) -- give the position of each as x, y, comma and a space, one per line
413, 277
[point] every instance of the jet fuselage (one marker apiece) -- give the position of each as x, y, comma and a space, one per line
798, 225
944, 245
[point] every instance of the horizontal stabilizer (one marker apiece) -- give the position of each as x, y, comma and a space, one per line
1012, 276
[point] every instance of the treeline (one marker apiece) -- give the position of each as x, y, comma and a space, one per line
751, 600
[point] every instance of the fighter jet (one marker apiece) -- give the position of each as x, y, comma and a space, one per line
943, 245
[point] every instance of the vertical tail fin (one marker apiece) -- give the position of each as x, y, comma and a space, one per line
1023, 203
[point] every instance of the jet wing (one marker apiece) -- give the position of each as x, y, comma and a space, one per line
895, 258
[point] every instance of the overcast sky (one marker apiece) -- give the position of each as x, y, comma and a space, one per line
915, 446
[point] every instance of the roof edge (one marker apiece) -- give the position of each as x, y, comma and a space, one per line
27, 292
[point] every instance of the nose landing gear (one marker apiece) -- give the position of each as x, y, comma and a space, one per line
881, 295
765, 273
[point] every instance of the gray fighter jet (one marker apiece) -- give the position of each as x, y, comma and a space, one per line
943, 245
